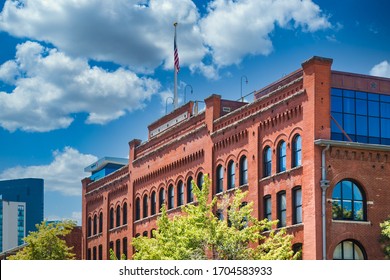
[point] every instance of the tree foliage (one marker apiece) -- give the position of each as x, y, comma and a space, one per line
385, 231
47, 243
198, 234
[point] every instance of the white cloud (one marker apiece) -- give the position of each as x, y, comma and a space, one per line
51, 86
139, 33
63, 174
381, 70
122, 31
234, 29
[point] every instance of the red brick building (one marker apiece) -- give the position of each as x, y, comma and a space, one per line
312, 150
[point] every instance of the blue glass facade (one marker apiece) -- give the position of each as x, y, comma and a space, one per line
364, 117
29, 191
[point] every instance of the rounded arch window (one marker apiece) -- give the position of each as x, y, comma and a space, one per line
243, 171
349, 250
171, 196
161, 199
296, 151
231, 175
137, 209
219, 183
348, 201
282, 156
267, 161
200, 180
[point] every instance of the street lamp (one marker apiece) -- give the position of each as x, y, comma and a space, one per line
166, 103
185, 92
246, 81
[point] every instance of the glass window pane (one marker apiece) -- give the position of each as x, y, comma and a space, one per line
373, 127
347, 209
338, 252
339, 119
337, 104
299, 215
385, 98
373, 108
361, 125
337, 192
357, 195
361, 95
336, 91
283, 202
358, 211
349, 124
283, 219
349, 105
346, 189
385, 110
349, 93
348, 250
361, 107
337, 211
373, 96
358, 253
385, 128
298, 197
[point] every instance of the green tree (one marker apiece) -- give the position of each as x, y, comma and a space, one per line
47, 243
385, 231
198, 234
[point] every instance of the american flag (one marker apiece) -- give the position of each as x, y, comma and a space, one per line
176, 54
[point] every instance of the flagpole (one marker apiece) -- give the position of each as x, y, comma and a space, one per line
175, 70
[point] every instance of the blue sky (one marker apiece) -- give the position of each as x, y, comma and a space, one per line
80, 79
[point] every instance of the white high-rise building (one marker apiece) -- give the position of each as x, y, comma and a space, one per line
12, 224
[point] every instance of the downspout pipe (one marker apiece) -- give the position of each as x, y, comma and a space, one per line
324, 183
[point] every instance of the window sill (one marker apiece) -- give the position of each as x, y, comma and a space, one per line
288, 171
115, 229
351, 222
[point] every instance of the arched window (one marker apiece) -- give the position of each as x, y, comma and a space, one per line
137, 209
161, 199
95, 224
180, 193
268, 207
89, 227
153, 202
348, 202
171, 197
124, 244
101, 222
267, 161
118, 249
111, 218
190, 194
349, 250
296, 151
145, 206
297, 205
118, 216
282, 156
145, 234
282, 208
124, 214
219, 182
231, 175
200, 180
243, 171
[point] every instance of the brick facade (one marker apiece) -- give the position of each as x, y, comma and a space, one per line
183, 145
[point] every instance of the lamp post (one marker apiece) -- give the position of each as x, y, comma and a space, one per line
246, 81
166, 103
185, 92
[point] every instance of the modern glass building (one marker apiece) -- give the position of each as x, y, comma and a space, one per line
30, 191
